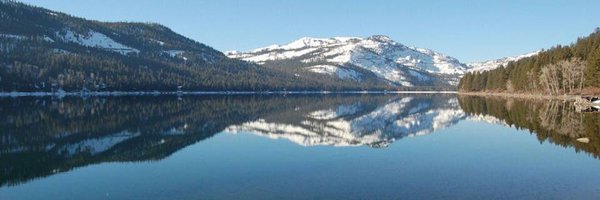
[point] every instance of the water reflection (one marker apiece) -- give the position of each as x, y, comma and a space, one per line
40, 137
43, 136
374, 122
555, 121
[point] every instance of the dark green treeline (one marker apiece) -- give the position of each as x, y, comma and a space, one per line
559, 70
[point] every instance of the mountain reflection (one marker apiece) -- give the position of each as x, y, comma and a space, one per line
375, 122
43, 136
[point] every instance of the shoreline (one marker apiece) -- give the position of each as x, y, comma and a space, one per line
522, 96
180, 93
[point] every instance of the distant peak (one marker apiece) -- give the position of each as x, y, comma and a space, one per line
306, 39
346, 39
380, 38
305, 42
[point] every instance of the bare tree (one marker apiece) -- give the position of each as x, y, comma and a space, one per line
532, 84
579, 68
567, 76
555, 77
509, 86
572, 73
545, 80
549, 78
564, 76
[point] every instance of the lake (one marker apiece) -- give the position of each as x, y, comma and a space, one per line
334, 146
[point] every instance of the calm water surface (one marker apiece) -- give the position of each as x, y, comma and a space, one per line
297, 147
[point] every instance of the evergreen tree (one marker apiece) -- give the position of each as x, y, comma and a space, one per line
592, 70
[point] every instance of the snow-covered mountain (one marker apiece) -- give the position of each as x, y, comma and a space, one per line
357, 58
493, 64
352, 125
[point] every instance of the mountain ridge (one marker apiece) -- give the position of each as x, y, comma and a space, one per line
420, 64
385, 58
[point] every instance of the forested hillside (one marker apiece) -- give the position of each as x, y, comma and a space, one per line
43, 50
560, 70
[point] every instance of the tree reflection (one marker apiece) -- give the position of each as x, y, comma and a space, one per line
550, 120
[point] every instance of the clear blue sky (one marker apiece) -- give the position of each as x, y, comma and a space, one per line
468, 30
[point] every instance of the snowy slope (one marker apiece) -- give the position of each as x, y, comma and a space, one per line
380, 55
96, 40
493, 64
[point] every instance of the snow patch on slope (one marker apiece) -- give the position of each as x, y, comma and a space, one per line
176, 54
97, 40
270, 56
334, 70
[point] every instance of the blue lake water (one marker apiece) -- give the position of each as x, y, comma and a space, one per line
297, 147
